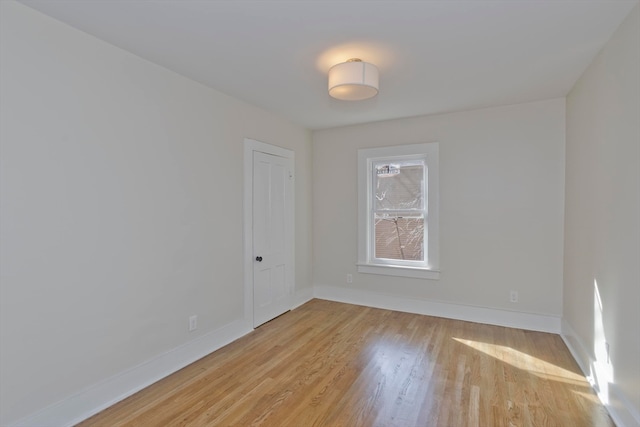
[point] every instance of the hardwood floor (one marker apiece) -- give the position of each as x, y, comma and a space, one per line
333, 364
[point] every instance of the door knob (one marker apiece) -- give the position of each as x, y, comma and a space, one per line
259, 258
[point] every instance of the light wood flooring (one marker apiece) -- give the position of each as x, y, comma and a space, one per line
333, 364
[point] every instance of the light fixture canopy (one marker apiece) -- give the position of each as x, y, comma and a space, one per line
353, 80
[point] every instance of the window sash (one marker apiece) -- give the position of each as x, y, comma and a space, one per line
374, 209
398, 164
403, 240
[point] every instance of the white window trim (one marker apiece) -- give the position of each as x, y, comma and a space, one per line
365, 260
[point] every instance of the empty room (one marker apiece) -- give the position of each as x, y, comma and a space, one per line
319, 213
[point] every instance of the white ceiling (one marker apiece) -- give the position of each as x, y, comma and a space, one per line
433, 56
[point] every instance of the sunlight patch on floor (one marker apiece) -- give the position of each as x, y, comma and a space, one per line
587, 396
526, 362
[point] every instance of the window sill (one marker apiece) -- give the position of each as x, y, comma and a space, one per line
401, 271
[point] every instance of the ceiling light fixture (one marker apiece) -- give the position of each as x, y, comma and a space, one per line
353, 80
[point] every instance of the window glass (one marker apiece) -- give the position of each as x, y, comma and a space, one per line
399, 237
399, 185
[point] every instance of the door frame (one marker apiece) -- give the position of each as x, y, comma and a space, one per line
251, 146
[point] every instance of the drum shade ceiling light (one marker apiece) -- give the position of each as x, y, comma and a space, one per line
353, 80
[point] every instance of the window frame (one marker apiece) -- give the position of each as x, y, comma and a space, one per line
367, 263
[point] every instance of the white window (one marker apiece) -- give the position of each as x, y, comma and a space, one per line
398, 211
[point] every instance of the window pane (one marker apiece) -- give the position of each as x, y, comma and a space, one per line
398, 186
399, 237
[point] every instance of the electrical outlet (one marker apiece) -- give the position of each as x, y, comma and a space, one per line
513, 296
349, 278
193, 323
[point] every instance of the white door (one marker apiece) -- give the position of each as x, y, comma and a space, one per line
272, 236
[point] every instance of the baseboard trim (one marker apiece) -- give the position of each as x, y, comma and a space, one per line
301, 297
94, 399
100, 396
491, 316
620, 408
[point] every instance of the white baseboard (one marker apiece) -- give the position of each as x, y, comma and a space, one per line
106, 393
301, 297
100, 396
620, 408
491, 316
577, 349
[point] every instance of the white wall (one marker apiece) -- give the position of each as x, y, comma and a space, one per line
501, 206
602, 224
121, 210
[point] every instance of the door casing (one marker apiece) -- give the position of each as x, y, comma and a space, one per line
250, 146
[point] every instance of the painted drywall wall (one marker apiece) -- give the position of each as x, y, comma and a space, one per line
501, 206
602, 224
121, 208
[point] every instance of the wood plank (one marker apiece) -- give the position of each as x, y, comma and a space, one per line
334, 364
